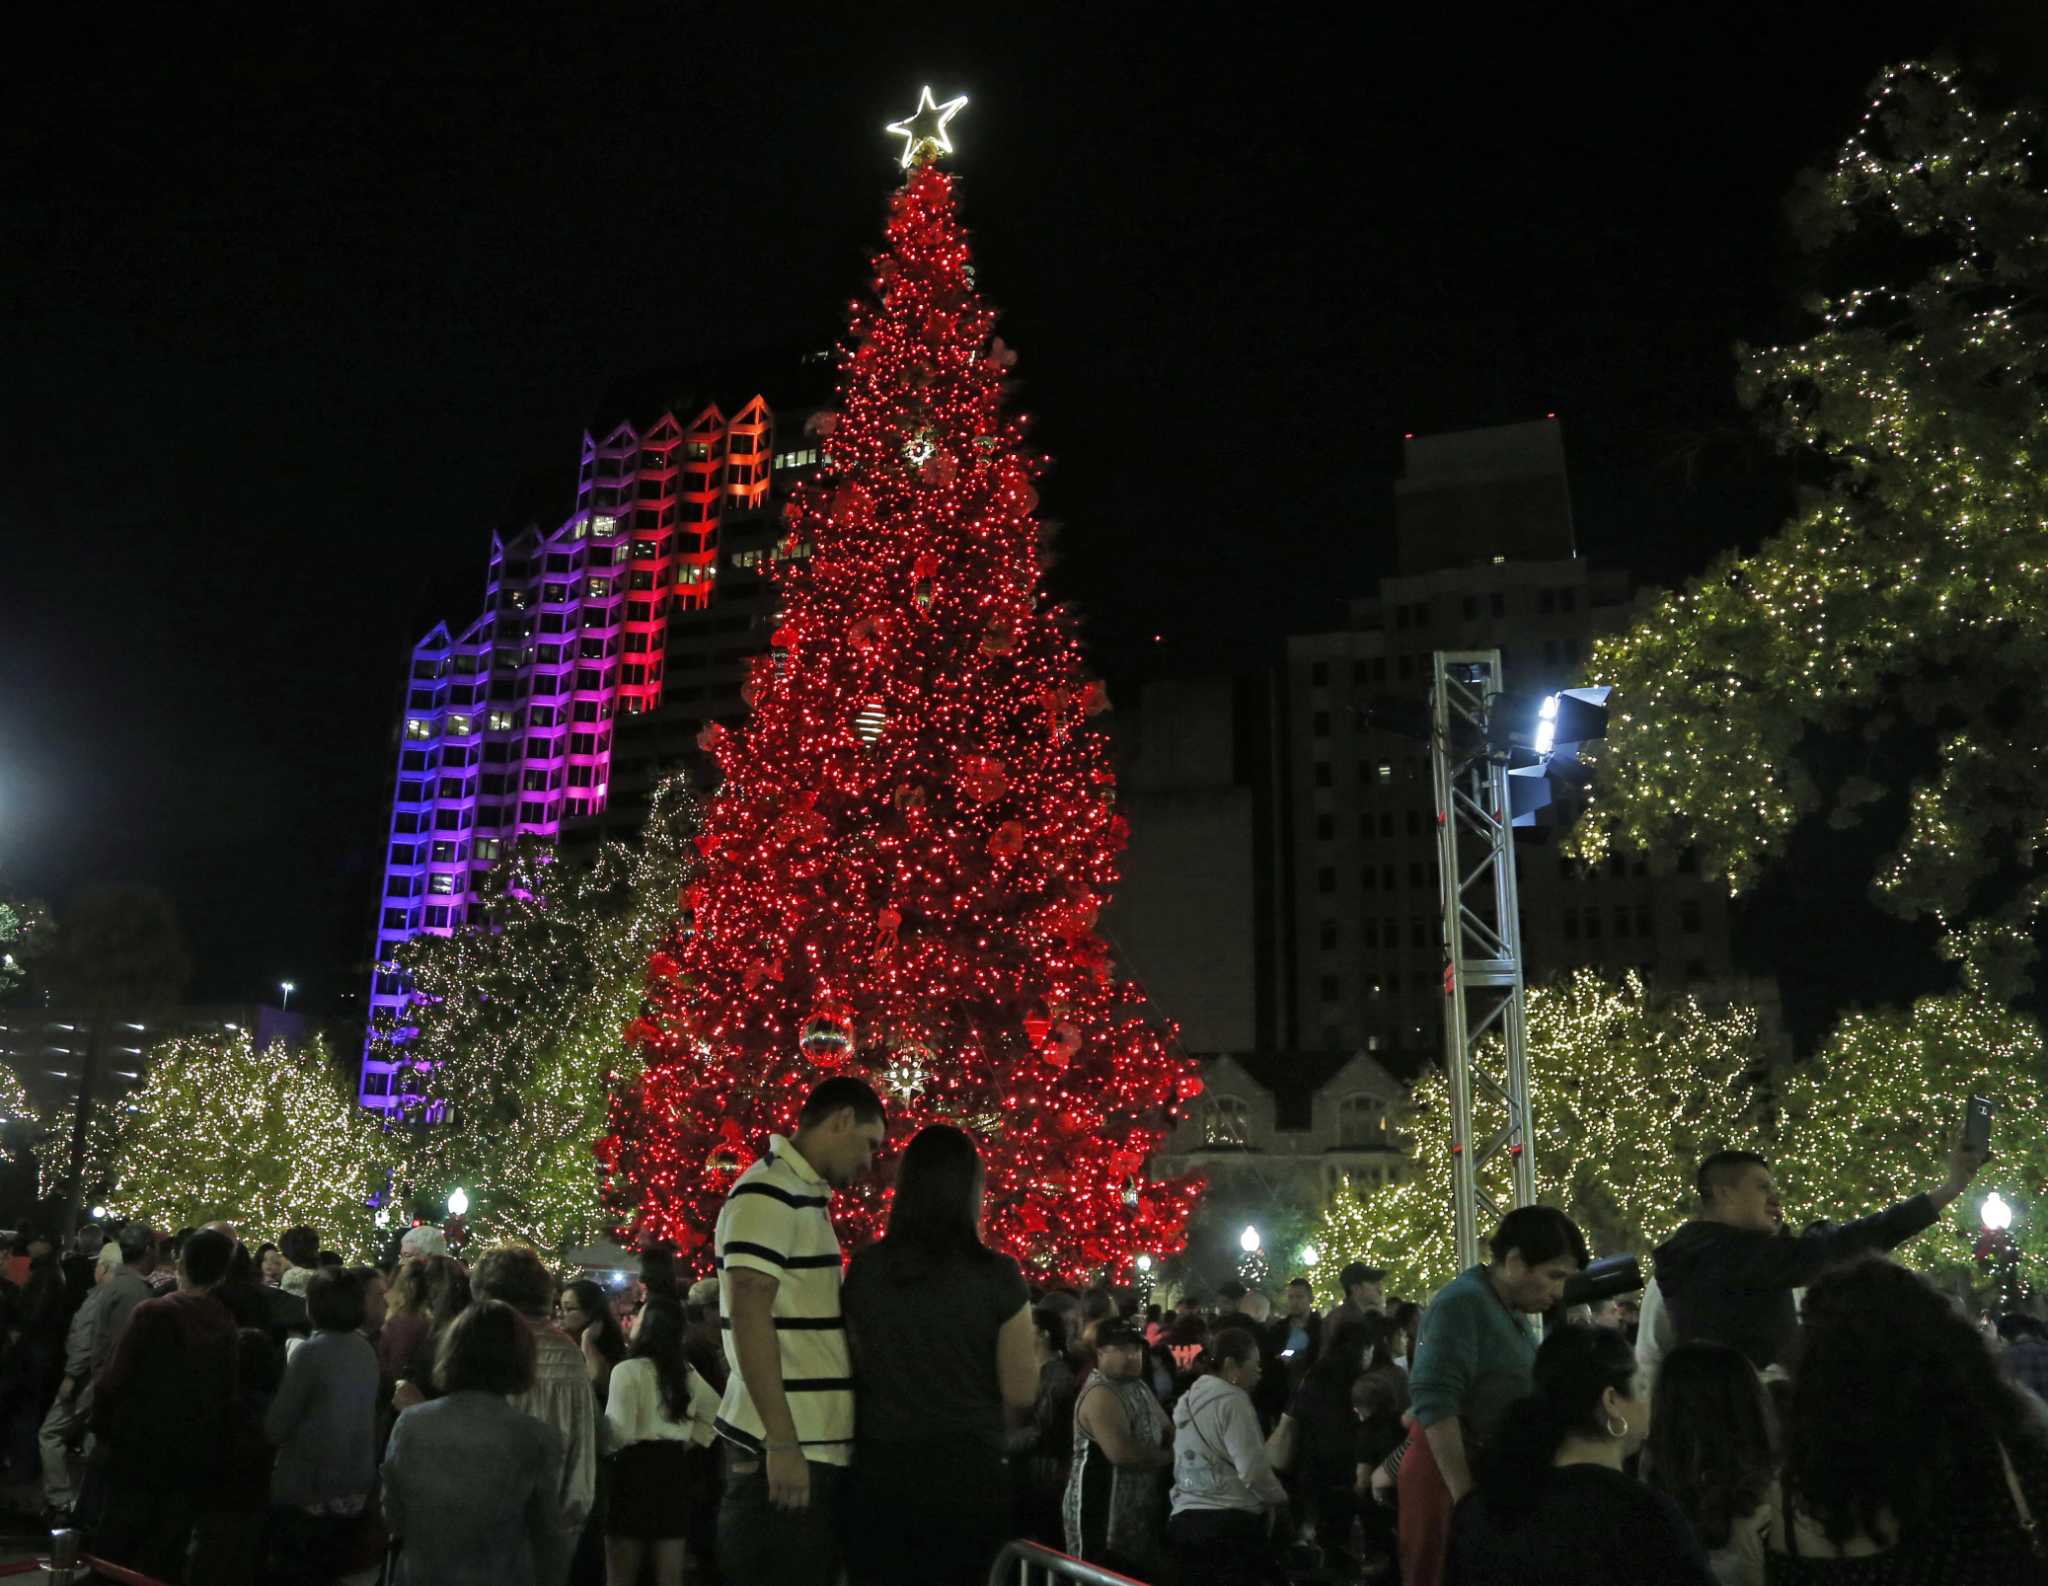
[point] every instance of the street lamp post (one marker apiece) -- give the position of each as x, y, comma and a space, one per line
287, 987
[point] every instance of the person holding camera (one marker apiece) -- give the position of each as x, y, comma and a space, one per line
1475, 1357
1727, 1276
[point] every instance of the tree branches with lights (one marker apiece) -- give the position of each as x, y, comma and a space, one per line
24, 930
1905, 605
1630, 1090
521, 1027
1872, 1118
266, 1139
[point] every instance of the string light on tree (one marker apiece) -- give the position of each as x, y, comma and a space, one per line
1631, 1091
936, 879
521, 1024
268, 1139
1908, 595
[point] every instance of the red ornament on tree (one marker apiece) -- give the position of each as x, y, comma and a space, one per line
827, 1038
982, 779
961, 677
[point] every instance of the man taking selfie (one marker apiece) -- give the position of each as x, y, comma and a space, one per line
1728, 1275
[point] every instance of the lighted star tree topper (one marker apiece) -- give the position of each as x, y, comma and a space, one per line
916, 830
924, 131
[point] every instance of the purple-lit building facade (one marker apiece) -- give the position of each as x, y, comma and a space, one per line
512, 724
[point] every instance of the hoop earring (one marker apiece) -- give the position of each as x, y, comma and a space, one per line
1617, 1431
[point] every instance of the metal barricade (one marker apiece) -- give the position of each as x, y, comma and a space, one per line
70, 1565
1030, 1564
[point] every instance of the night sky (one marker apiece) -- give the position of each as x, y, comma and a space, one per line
293, 321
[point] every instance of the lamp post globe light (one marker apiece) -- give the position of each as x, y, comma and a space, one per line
458, 1203
1144, 1263
1248, 1241
1310, 1255
287, 987
1996, 1212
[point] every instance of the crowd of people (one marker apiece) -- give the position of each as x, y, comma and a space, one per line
1772, 1408
1775, 1407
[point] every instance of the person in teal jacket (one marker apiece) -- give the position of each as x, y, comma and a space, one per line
1474, 1357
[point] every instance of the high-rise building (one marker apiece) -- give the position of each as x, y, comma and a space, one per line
1487, 560
1281, 886
604, 646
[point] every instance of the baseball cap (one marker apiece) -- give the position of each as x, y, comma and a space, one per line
425, 1240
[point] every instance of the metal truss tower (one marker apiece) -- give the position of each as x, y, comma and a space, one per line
1485, 1026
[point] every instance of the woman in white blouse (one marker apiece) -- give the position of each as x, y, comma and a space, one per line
658, 1411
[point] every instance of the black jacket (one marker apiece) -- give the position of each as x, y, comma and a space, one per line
1734, 1285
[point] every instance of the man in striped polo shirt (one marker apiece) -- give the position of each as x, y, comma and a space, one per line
788, 1407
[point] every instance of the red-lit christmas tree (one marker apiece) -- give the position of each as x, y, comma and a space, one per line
916, 831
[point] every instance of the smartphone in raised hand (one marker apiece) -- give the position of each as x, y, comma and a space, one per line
1977, 1125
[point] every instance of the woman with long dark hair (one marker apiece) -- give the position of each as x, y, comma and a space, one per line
942, 1343
1552, 1507
659, 1412
1908, 1457
1710, 1452
585, 1313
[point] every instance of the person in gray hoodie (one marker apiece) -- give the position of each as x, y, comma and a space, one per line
1226, 1498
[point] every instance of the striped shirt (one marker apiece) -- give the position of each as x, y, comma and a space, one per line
776, 1221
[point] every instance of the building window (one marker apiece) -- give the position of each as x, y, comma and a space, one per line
1319, 674
1621, 922
1322, 773
416, 728
1326, 827
442, 884
1361, 1121
1497, 603
1592, 925
1689, 916
1331, 990
1226, 1120
1369, 933
1570, 920
1386, 774
1326, 880
1320, 725
1329, 935
1418, 876
1369, 878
